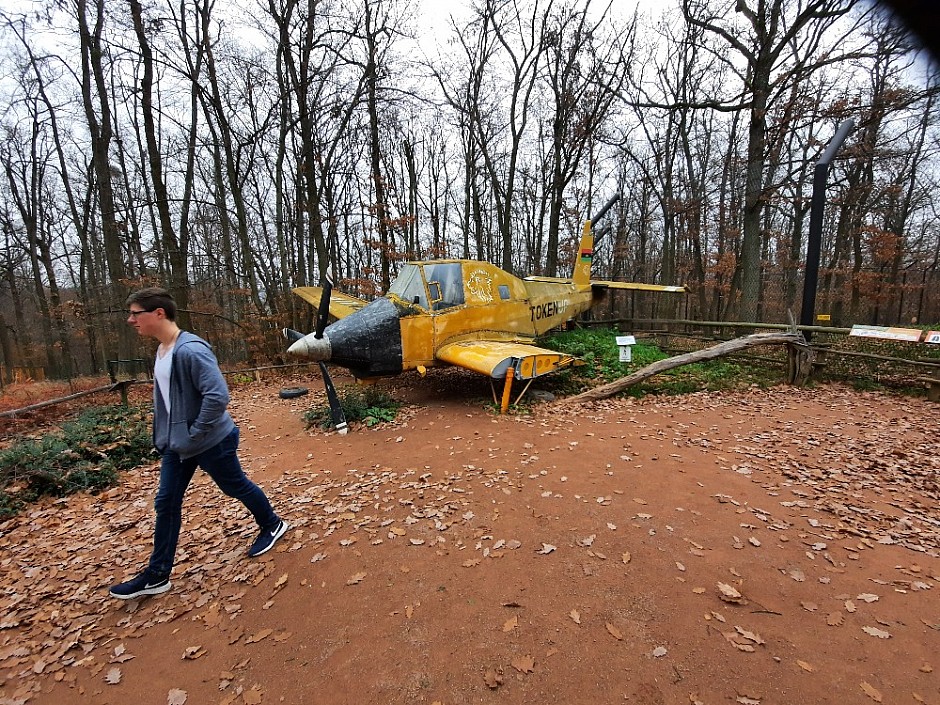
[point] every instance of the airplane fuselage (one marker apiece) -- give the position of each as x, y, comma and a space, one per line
436, 303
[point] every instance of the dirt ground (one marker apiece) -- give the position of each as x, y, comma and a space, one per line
762, 547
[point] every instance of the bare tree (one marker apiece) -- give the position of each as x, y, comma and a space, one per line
762, 34
585, 70
98, 117
179, 275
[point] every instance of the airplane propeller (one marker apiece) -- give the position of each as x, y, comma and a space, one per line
323, 315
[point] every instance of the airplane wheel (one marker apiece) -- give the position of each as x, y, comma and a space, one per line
292, 392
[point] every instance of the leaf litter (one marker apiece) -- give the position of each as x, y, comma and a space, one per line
332, 507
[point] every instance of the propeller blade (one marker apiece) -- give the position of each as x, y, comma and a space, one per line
292, 335
323, 312
336, 409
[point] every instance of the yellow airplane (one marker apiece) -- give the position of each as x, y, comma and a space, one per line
454, 312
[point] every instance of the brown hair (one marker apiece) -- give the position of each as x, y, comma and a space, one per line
152, 298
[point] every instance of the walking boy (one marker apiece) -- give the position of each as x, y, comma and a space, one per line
191, 428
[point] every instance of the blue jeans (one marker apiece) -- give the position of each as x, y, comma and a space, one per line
221, 464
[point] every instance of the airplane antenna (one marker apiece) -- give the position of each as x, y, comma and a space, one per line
607, 206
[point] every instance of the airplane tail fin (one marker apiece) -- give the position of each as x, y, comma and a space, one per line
582, 263
581, 276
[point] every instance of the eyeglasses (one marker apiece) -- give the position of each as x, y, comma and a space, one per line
134, 314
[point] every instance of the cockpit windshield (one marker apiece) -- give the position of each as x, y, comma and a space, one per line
409, 286
444, 284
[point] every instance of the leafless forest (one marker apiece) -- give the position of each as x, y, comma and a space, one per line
233, 150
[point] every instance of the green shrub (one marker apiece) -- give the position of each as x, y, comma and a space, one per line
86, 454
368, 405
598, 348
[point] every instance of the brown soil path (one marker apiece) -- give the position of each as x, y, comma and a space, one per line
759, 547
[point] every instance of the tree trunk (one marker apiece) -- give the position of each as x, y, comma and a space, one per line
101, 131
179, 275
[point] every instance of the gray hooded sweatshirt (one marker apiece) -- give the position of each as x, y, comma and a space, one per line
198, 418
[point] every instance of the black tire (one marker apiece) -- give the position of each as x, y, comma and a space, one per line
292, 392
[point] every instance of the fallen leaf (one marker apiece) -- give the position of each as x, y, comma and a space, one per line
493, 679
524, 664
176, 697
871, 692
660, 651
730, 594
356, 579
835, 619
575, 616
510, 624
867, 597
750, 636
113, 676
546, 548
255, 638
614, 632
253, 696
735, 640
626, 557
806, 666
874, 631
194, 652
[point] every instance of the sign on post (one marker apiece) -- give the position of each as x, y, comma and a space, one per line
626, 351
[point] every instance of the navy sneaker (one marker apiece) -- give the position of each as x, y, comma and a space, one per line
147, 583
267, 538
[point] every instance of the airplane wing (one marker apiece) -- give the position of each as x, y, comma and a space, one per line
492, 358
341, 305
598, 284
549, 280
635, 286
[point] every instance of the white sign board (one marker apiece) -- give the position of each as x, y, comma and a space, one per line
626, 352
933, 336
910, 334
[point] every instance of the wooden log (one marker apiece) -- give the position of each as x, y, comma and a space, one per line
933, 387
117, 386
749, 341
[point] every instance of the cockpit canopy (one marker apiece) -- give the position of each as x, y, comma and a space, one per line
437, 283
